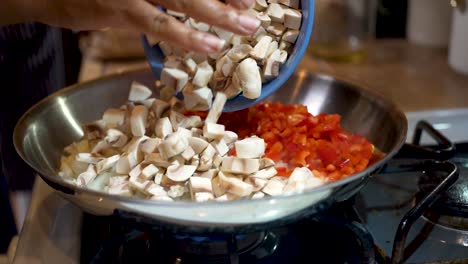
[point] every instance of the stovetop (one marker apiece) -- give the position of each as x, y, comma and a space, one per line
361, 230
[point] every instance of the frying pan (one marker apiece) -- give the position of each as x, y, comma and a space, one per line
53, 123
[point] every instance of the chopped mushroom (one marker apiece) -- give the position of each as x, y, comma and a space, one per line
203, 74
260, 50
252, 147
138, 120
180, 173
217, 108
240, 166
163, 127
174, 78
275, 12
86, 177
138, 92
274, 187
249, 79
292, 18
114, 117
213, 131
197, 99
234, 184
172, 145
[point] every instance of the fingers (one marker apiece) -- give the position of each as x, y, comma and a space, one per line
154, 22
241, 4
216, 13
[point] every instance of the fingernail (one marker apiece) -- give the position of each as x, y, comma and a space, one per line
213, 43
248, 23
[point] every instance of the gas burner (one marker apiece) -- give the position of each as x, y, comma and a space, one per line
454, 202
328, 239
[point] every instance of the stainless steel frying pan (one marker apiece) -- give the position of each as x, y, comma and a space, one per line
43, 132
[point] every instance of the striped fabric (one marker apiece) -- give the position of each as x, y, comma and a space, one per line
31, 67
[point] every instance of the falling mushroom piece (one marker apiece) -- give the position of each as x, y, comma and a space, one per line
138, 92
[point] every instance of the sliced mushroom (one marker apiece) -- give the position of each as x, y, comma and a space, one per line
191, 122
114, 117
138, 120
220, 146
206, 158
275, 12
229, 137
203, 74
217, 108
210, 174
172, 145
238, 40
257, 183
86, 177
117, 180
217, 160
135, 172
138, 92
300, 179
159, 107
157, 159
218, 189
292, 18
266, 163
234, 184
174, 78
107, 163
203, 196
197, 144
180, 173
148, 172
115, 138
120, 189
196, 132
252, 147
101, 146
290, 35
190, 65
213, 131
250, 81
264, 19
232, 90
240, 166
276, 29
266, 173
290, 3
197, 99
239, 52
188, 153
163, 127
88, 158
195, 161
258, 195
260, 50
274, 187
200, 184
150, 145
176, 191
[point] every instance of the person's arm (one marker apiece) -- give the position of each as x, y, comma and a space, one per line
139, 15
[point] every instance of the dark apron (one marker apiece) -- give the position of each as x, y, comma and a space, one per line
31, 67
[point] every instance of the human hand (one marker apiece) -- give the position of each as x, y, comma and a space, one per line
143, 16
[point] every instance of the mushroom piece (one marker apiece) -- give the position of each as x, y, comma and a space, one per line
114, 117
266, 163
156, 159
249, 78
138, 92
258, 195
148, 172
264, 19
121, 189
272, 48
260, 5
221, 147
290, 35
234, 184
107, 163
274, 187
86, 177
135, 172
301, 179
173, 62
240, 166
191, 122
172, 145
266, 173
230, 137
217, 108
292, 18
174, 78
117, 180
190, 66
115, 138
239, 52
150, 145
87, 158
283, 56
290, 3
180, 173
156, 190
163, 127
272, 65
197, 99
223, 34
218, 189
138, 120
276, 29
197, 144
213, 131
159, 107
195, 160
203, 74
203, 196
275, 12
210, 174
188, 153
217, 160
260, 50
200, 184
176, 191
206, 158
252, 147
257, 183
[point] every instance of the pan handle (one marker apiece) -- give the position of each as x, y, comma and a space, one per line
411, 216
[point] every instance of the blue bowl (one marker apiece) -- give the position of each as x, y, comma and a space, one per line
156, 57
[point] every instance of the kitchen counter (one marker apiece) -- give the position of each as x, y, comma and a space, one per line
416, 78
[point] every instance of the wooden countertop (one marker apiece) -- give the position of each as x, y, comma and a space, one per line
415, 77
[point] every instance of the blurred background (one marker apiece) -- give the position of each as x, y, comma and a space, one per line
399, 48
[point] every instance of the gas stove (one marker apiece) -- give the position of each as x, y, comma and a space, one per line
405, 212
